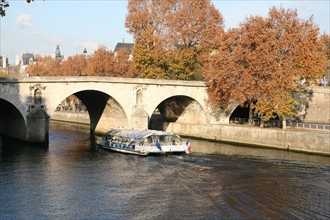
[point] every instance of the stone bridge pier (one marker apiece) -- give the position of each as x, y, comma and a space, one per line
27, 105
24, 120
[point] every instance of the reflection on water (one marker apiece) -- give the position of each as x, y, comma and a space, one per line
209, 147
73, 179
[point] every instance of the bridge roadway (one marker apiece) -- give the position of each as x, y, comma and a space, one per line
28, 103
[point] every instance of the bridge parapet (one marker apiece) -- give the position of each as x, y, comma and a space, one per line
110, 101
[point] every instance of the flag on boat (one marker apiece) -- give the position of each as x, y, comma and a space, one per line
188, 147
158, 145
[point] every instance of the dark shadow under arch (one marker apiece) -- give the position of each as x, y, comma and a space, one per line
103, 110
240, 114
182, 109
11, 121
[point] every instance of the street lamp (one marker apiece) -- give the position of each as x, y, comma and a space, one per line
37, 66
85, 53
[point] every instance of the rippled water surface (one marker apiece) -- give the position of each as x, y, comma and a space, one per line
73, 179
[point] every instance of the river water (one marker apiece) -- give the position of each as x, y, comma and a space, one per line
73, 179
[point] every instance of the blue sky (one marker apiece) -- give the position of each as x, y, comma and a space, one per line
78, 24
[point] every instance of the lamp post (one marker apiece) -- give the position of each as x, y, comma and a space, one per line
37, 66
85, 53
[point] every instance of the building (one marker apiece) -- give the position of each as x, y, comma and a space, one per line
25, 59
4, 61
58, 56
127, 46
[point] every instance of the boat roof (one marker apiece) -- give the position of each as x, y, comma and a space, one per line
133, 133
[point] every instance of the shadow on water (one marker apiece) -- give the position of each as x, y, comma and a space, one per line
63, 136
209, 148
76, 135
13, 146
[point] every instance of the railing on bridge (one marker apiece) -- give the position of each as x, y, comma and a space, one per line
312, 126
256, 122
278, 123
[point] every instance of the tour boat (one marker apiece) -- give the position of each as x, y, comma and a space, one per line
138, 142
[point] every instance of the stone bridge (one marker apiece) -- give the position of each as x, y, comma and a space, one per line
27, 104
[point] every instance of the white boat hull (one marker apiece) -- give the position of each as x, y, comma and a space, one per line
146, 142
124, 151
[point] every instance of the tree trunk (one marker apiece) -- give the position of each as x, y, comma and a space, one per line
250, 121
283, 123
262, 123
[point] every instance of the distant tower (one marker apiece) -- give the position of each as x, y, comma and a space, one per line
58, 55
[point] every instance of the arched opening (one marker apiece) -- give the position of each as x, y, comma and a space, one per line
139, 100
95, 108
240, 115
180, 109
37, 96
12, 122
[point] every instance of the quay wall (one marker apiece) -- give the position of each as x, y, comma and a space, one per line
301, 140
73, 117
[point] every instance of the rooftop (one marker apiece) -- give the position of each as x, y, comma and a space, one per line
128, 46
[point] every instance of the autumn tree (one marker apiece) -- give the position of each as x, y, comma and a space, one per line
263, 61
74, 66
325, 44
232, 74
325, 48
101, 62
171, 36
45, 66
123, 65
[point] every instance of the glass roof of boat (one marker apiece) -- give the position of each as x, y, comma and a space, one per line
124, 132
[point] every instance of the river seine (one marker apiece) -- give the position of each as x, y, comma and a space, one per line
73, 179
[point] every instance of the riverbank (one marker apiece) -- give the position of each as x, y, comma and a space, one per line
299, 140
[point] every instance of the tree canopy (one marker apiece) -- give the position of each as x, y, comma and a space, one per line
171, 36
263, 61
4, 4
102, 62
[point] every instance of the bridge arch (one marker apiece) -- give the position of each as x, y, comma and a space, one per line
104, 111
11, 120
180, 108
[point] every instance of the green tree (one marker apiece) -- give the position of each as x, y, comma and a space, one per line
4, 4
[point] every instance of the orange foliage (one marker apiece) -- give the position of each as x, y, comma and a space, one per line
74, 66
171, 37
123, 66
45, 66
265, 59
102, 62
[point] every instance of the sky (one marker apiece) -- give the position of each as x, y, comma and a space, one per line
77, 24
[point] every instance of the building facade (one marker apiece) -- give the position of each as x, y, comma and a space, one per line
4, 61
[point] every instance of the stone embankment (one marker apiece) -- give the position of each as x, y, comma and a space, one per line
302, 140
76, 117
